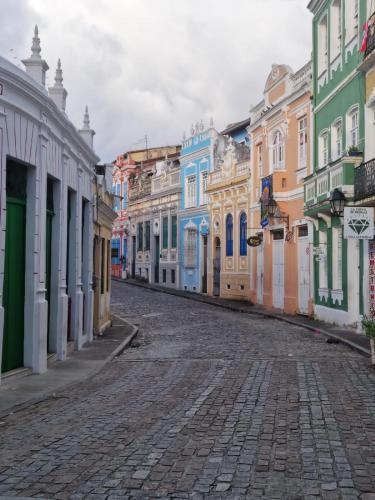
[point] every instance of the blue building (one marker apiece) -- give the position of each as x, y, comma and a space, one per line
238, 131
197, 159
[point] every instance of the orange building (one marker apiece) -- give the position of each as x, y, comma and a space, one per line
280, 138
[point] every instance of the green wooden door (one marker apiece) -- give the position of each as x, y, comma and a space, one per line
49, 219
14, 284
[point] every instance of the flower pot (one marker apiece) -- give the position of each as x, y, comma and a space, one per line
355, 153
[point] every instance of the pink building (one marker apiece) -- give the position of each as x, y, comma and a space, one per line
123, 167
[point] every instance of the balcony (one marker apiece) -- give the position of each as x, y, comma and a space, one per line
370, 46
364, 180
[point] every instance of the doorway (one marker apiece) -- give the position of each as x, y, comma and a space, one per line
49, 221
260, 273
278, 269
205, 257
157, 258
217, 268
14, 266
133, 255
303, 270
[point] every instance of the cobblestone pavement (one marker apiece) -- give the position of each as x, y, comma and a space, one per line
208, 404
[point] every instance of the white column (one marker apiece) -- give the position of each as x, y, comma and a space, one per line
87, 271
36, 306
59, 297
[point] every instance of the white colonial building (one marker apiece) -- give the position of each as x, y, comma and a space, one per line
46, 174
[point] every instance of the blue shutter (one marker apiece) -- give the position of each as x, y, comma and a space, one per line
229, 231
243, 234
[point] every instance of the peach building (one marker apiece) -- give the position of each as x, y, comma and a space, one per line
280, 138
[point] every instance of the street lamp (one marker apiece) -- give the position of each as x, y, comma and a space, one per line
271, 207
272, 211
337, 201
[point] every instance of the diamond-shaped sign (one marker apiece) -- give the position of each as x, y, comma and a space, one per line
359, 223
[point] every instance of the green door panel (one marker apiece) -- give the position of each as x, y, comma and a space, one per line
14, 285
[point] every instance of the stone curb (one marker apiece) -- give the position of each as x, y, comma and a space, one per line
264, 314
50, 393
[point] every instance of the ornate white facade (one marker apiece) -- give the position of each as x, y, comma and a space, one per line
55, 162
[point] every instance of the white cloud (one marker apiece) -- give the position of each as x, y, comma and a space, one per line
155, 66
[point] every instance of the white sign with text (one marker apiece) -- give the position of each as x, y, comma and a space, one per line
359, 223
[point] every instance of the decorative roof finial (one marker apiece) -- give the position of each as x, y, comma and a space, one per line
184, 136
201, 126
192, 130
58, 75
211, 122
35, 47
86, 119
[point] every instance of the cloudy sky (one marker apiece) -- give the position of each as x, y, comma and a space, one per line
153, 67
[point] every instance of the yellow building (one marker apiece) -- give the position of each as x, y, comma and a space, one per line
103, 220
228, 190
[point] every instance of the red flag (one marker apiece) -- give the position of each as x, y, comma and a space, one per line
365, 37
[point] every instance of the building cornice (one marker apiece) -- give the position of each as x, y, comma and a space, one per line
25, 85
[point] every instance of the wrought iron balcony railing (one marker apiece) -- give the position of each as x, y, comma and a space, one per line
370, 45
364, 180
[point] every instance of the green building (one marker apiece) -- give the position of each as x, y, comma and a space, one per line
338, 130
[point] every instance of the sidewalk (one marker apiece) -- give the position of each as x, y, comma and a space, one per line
18, 392
345, 335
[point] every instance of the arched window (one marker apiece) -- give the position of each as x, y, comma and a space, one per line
243, 234
229, 229
277, 153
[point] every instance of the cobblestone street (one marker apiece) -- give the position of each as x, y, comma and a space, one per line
208, 403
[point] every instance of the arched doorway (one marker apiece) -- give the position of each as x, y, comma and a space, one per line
217, 267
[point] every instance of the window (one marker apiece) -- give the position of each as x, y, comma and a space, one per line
336, 28
140, 236
124, 195
117, 199
164, 275
147, 235
109, 262
260, 160
190, 246
102, 263
353, 138
243, 234
173, 276
115, 254
190, 191
337, 140
165, 232
337, 258
174, 231
229, 235
322, 46
323, 149
277, 151
302, 142
203, 194
351, 19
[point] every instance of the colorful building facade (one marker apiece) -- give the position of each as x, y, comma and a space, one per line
198, 154
228, 207
338, 140
103, 218
152, 212
280, 139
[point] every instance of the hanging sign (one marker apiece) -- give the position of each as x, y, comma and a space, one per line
359, 223
254, 241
